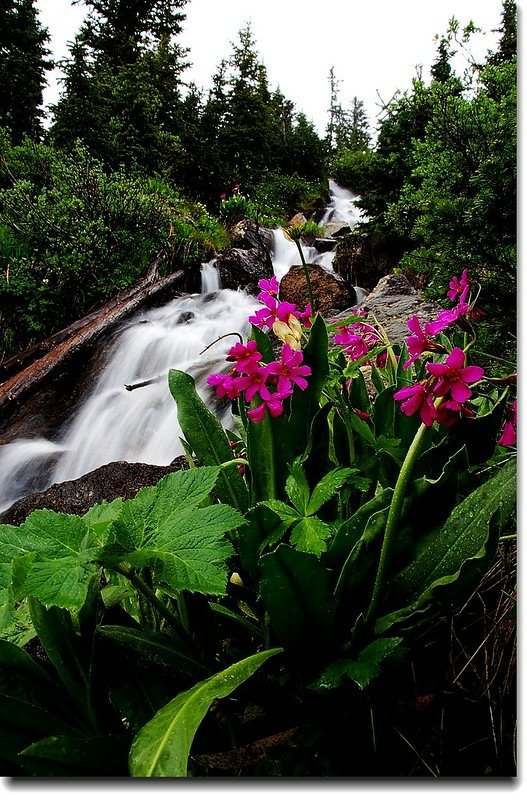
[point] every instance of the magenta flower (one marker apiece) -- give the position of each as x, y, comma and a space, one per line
458, 286
454, 376
304, 316
254, 383
246, 356
225, 385
418, 342
508, 434
415, 399
450, 411
450, 316
272, 311
274, 406
290, 369
352, 343
269, 287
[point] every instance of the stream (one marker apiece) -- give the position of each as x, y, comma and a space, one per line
116, 423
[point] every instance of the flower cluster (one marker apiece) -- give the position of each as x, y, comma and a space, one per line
442, 397
283, 318
358, 338
271, 383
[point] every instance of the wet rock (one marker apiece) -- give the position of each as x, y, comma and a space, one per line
363, 261
240, 268
330, 292
324, 245
118, 479
335, 229
393, 302
247, 234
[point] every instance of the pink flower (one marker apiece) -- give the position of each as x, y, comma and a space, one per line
274, 405
508, 434
457, 286
417, 398
246, 356
353, 343
305, 316
417, 343
269, 287
272, 311
290, 369
454, 376
225, 385
450, 411
254, 383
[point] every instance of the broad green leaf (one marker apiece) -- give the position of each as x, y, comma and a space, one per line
305, 404
264, 344
190, 551
77, 756
358, 572
327, 488
310, 534
6, 595
101, 516
55, 551
352, 529
297, 487
362, 669
295, 589
361, 427
154, 648
268, 450
161, 749
207, 438
464, 544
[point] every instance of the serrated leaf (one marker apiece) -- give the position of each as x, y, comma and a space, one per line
162, 746
285, 512
52, 555
362, 670
327, 488
297, 487
310, 534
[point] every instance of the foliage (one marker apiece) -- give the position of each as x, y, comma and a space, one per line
23, 64
74, 235
299, 556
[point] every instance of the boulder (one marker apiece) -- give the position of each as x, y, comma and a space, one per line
119, 479
324, 245
330, 292
393, 302
363, 261
240, 268
247, 234
335, 229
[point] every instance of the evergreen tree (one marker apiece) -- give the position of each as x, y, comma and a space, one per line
23, 64
508, 44
122, 84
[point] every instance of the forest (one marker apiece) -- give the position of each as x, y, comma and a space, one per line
322, 560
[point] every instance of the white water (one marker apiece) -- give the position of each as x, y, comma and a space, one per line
342, 207
210, 277
141, 425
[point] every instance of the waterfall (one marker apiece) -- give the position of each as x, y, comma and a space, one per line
342, 207
210, 277
134, 424
139, 423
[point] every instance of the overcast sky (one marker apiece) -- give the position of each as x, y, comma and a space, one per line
374, 45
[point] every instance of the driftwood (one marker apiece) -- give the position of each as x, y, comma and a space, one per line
66, 343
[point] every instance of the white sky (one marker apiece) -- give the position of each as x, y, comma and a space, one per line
374, 45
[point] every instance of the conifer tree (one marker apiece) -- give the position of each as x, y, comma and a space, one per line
23, 64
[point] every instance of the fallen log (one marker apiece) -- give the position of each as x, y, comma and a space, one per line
94, 325
17, 362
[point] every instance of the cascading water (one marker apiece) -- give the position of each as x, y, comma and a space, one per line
140, 424
342, 206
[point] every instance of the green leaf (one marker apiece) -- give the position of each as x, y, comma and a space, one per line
327, 488
185, 545
285, 512
268, 450
264, 344
297, 487
154, 648
295, 589
362, 669
207, 438
77, 756
310, 534
305, 404
466, 540
161, 749
55, 551
352, 529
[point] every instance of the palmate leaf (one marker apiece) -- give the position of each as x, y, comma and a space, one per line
463, 546
161, 527
327, 488
162, 747
310, 534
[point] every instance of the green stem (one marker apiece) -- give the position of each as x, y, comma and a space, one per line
139, 584
394, 515
308, 279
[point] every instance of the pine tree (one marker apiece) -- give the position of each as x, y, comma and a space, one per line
508, 44
122, 84
23, 64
